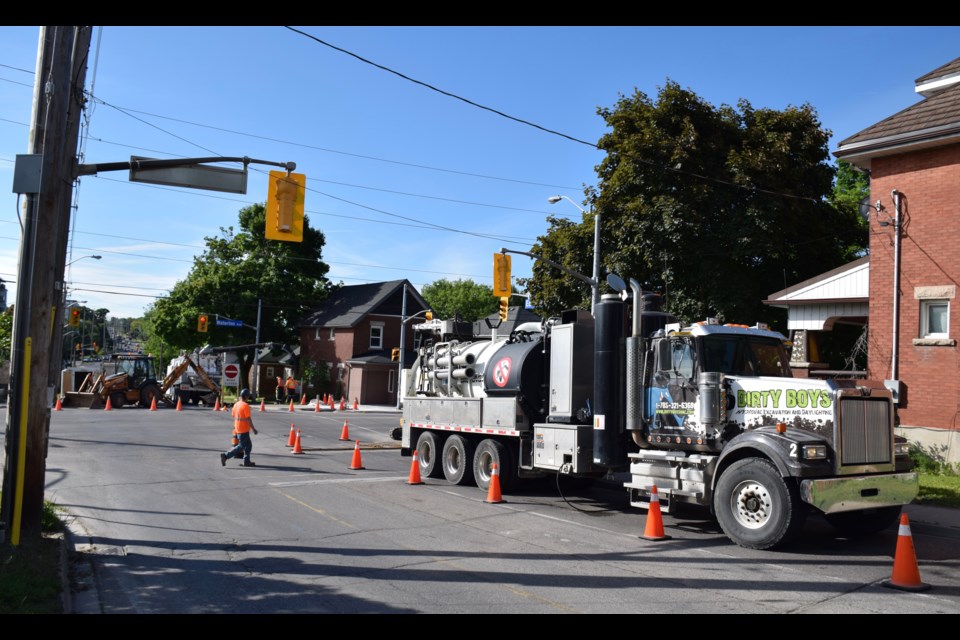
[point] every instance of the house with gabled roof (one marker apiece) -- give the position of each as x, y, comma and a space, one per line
913, 158
354, 333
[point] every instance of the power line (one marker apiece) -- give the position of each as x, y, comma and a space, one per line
7, 66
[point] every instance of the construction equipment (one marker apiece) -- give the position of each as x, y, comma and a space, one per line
189, 382
706, 412
126, 378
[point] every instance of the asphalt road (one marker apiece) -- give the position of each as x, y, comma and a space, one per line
165, 529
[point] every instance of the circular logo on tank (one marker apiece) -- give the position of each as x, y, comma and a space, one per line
501, 372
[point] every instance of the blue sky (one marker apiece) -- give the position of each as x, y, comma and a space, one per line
372, 144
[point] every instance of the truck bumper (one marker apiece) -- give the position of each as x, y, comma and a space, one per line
854, 493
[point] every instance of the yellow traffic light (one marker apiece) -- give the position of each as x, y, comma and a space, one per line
285, 194
504, 307
428, 315
202, 323
74, 317
395, 354
501, 274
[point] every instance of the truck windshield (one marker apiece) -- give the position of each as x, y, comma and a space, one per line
745, 356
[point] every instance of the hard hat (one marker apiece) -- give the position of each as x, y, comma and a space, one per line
245, 393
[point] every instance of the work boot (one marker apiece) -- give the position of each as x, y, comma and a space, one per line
223, 459
249, 463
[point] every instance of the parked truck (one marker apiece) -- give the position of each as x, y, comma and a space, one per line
706, 412
191, 379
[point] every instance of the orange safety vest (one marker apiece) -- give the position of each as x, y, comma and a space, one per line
291, 383
241, 417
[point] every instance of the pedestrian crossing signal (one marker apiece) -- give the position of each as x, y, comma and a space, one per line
395, 355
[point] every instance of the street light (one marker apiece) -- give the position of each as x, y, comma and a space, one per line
596, 248
81, 258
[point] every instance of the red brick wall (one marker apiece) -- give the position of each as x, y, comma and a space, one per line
929, 182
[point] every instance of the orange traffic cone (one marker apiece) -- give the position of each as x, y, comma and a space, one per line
303, 400
216, 404
333, 407
153, 404
291, 405
316, 406
58, 406
342, 405
414, 471
296, 444
356, 464
356, 405
234, 441
654, 529
179, 403
107, 407
906, 573
345, 434
292, 440
493, 493
263, 405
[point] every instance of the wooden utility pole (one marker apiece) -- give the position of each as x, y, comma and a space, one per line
38, 314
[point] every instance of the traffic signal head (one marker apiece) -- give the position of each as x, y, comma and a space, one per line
202, 323
428, 315
285, 206
395, 354
504, 307
74, 317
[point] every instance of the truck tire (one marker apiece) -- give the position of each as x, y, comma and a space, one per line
855, 524
755, 507
429, 452
117, 400
488, 453
457, 460
149, 393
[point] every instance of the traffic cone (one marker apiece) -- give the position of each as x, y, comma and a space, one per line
292, 440
107, 407
179, 403
356, 464
333, 407
303, 400
414, 471
493, 493
291, 406
356, 405
342, 405
654, 529
216, 404
263, 405
234, 441
316, 407
153, 404
345, 434
296, 444
906, 573
58, 406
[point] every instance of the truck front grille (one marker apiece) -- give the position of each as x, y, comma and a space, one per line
865, 433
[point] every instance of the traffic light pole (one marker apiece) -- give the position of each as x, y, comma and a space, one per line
403, 338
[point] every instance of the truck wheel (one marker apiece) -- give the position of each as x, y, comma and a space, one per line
757, 508
429, 448
854, 524
490, 452
117, 400
148, 394
457, 459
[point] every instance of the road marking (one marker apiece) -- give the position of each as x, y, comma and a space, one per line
317, 510
301, 483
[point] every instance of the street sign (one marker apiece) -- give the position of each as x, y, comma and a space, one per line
226, 322
195, 176
231, 374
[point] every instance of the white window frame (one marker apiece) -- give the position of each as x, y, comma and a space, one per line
378, 344
391, 376
925, 308
333, 333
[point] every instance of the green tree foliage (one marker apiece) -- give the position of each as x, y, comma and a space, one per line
849, 189
716, 207
6, 333
466, 297
236, 269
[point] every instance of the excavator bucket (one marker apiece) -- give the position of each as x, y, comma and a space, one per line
82, 399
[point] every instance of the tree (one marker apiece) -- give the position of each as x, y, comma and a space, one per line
235, 271
714, 207
849, 189
6, 333
466, 297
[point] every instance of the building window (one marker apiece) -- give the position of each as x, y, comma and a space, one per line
376, 336
935, 319
333, 334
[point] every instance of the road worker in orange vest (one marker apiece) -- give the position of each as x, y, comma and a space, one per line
242, 426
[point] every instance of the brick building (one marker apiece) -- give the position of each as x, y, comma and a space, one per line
354, 333
913, 158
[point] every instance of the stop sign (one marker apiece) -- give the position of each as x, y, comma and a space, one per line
231, 371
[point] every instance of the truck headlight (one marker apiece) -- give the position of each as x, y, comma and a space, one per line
901, 448
814, 452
